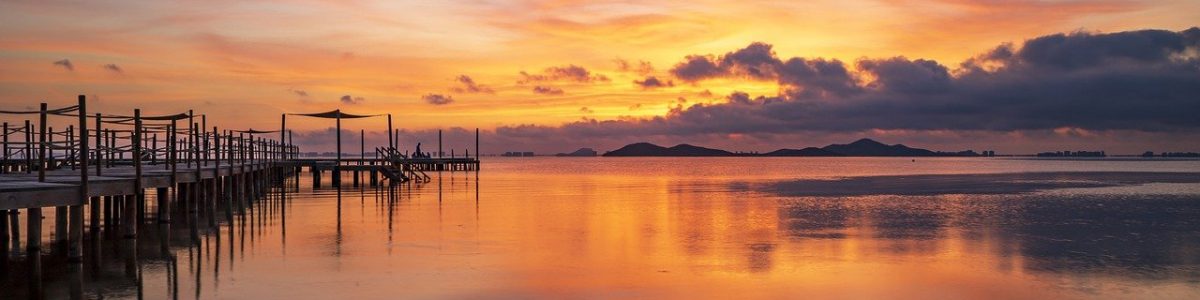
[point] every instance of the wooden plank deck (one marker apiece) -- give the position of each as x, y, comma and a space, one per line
61, 188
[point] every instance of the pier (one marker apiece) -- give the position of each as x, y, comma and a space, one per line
107, 175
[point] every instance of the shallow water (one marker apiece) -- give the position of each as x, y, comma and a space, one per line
691, 228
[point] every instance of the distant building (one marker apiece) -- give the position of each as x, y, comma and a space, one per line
1073, 154
517, 154
1180, 154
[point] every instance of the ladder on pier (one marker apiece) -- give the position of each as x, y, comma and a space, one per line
399, 168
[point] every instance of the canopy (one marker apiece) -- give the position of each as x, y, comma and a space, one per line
334, 114
180, 116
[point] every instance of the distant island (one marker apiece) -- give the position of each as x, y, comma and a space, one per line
582, 152
863, 147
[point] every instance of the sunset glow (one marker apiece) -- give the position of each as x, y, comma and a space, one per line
543, 63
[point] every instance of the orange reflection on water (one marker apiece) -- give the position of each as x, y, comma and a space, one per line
653, 229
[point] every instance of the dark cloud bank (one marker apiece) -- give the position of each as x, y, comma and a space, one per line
1140, 80
1140, 86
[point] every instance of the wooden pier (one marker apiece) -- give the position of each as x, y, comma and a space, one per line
98, 173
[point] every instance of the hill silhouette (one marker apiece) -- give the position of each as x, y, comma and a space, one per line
648, 149
862, 147
809, 151
869, 147
580, 152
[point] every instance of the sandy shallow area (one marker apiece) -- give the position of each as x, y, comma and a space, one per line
985, 184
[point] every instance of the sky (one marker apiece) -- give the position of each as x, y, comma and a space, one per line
551, 76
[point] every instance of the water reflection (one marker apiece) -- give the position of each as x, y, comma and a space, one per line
521, 235
1134, 236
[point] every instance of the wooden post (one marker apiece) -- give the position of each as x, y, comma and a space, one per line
71, 141
28, 147
439, 155
282, 128
4, 166
476, 144
190, 138
99, 146
362, 148
75, 251
14, 224
4, 242
337, 167
50, 143
241, 184
164, 204
391, 143
33, 239
154, 149
133, 202
60, 212
204, 139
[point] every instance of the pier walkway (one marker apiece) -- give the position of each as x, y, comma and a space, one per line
96, 175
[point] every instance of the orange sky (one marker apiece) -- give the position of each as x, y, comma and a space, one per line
237, 61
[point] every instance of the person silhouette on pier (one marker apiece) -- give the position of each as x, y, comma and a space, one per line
417, 153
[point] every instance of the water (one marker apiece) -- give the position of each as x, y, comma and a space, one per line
693, 228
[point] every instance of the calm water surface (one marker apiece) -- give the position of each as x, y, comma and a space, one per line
655, 228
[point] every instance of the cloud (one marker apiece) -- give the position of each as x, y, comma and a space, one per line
347, 99
301, 93
652, 82
1137, 83
641, 67
469, 86
814, 76
568, 73
696, 67
547, 90
66, 64
437, 99
113, 68
586, 110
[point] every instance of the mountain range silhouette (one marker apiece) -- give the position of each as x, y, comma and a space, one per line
862, 147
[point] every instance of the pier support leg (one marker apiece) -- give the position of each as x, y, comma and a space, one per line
128, 226
14, 225
95, 220
75, 251
108, 217
60, 230
140, 204
95, 252
4, 244
164, 205
33, 249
